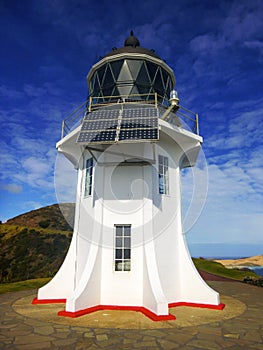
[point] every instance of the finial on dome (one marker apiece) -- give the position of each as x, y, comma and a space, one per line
132, 40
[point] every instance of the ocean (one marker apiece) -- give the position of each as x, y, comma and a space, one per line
258, 270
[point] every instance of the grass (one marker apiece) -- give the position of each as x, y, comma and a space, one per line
218, 269
23, 285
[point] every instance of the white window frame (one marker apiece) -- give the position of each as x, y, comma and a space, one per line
163, 174
122, 248
88, 177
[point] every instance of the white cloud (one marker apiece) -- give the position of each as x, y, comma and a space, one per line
12, 188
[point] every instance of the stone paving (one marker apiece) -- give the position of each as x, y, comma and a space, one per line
241, 328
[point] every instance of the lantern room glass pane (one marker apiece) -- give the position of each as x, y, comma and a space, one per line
143, 76
125, 74
96, 87
165, 77
107, 91
134, 66
158, 83
108, 78
101, 73
143, 89
116, 67
151, 70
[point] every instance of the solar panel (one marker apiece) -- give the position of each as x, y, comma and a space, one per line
142, 112
139, 123
127, 123
99, 124
138, 134
102, 114
107, 136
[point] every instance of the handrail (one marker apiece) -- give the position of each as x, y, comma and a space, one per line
95, 102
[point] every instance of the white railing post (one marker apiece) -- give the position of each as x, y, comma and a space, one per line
197, 123
62, 128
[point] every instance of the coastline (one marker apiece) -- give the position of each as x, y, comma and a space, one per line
253, 261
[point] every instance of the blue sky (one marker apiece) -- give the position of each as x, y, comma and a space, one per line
216, 51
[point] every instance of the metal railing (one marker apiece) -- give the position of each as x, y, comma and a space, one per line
188, 119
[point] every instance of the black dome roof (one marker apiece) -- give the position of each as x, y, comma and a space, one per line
132, 41
132, 45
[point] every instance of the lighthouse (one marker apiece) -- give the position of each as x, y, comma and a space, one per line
128, 250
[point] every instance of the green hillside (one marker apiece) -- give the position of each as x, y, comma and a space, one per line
218, 269
28, 252
48, 217
34, 245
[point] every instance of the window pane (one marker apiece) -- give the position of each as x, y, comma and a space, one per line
127, 254
163, 175
127, 230
118, 254
118, 265
127, 242
161, 187
88, 179
127, 266
118, 230
119, 242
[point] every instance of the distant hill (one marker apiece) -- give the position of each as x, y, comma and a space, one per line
244, 262
34, 244
48, 217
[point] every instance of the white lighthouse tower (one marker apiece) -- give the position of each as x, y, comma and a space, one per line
128, 250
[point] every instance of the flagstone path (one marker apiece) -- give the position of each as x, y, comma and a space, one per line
239, 326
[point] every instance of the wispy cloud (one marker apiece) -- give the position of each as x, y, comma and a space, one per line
12, 188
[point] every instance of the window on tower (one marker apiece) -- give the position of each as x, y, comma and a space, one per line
163, 175
88, 179
123, 248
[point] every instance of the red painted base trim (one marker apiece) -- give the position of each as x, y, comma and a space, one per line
141, 309
205, 306
48, 301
